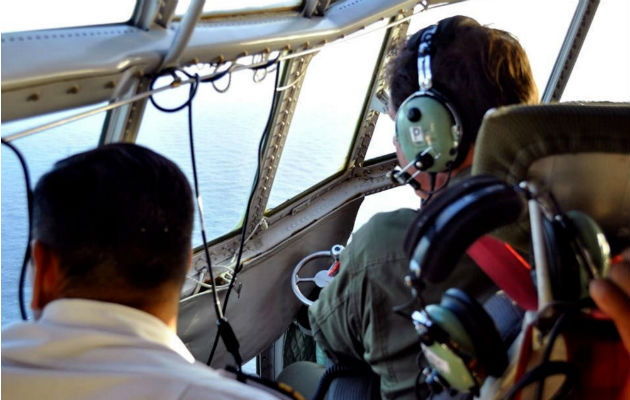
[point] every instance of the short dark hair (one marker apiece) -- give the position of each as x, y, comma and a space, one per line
118, 217
476, 67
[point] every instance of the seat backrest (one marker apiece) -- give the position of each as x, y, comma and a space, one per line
579, 151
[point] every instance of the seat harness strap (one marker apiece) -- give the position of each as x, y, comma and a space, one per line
506, 268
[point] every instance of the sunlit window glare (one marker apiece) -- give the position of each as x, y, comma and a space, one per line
224, 6
30, 15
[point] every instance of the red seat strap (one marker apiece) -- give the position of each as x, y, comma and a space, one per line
507, 269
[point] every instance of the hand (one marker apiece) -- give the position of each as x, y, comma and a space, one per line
612, 296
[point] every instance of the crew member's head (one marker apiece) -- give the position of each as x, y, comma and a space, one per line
473, 66
112, 224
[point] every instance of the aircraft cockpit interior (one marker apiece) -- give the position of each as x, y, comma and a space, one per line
283, 118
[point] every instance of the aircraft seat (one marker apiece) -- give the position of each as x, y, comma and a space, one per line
579, 151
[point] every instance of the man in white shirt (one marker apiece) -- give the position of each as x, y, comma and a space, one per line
111, 247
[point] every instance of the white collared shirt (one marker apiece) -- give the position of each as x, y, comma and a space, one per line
83, 349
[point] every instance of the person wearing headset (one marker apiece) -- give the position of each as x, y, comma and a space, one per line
470, 69
111, 249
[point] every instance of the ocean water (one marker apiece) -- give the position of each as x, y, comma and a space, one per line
226, 167
224, 185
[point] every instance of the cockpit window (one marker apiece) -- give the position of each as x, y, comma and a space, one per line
601, 70
239, 6
227, 129
40, 151
64, 14
382, 137
326, 115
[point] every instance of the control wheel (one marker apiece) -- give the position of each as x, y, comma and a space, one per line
322, 277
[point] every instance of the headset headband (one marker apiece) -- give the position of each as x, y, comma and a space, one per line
428, 127
425, 49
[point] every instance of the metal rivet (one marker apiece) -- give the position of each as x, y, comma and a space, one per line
74, 89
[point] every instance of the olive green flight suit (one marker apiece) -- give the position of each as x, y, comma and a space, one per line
353, 317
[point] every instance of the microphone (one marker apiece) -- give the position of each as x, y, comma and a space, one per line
422, 162
401, 177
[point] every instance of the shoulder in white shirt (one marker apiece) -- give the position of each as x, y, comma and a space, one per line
83, 349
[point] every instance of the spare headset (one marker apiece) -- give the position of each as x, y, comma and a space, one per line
428, 127
577, 251
459, 339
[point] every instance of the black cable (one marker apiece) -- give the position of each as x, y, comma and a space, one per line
548, 368
422, 389
432, 180
224, 330
237, 268
261, 148
267, 64
191, 95
29, 203
219, 75
433, 190
193, 90
216, 77
553, 335
543, 371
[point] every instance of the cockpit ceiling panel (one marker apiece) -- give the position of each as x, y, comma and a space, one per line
33, 59
227, 7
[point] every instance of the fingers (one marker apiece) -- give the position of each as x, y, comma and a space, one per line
620, 275
614, 302
612, 296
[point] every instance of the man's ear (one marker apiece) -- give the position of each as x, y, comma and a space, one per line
190, 256
47, 275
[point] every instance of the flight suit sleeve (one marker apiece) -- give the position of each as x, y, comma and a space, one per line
353, 320
334, 317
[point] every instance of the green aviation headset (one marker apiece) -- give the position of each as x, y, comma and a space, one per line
459, 338
428, 127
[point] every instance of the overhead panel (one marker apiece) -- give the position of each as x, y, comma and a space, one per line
32, 61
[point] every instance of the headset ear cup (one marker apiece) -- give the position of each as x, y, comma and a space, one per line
450, 362
487, 343
564, 268
435, 206
459, 224
591, 239
427, 124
